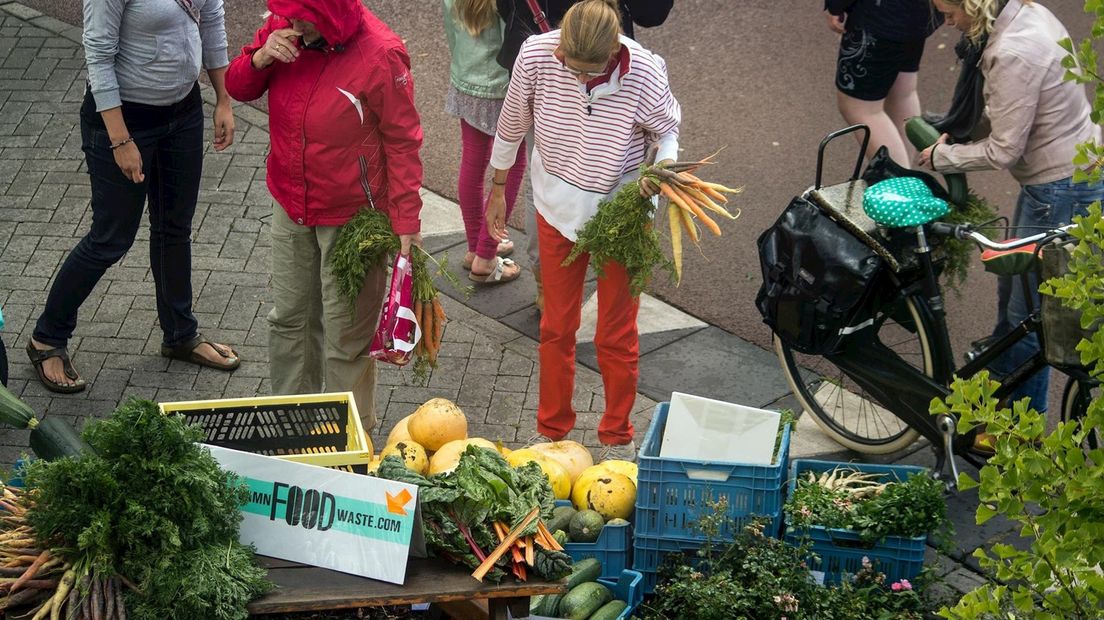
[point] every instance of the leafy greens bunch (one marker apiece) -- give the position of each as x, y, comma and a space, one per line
152, 505
459, 508
909, 508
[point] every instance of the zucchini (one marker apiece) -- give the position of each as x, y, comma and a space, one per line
920, 132
54, 439
583, 600
583, 571
547, 607
610, 611
922, 135
14, 412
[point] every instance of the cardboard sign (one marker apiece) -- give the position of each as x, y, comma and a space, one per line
323, 517
703, 429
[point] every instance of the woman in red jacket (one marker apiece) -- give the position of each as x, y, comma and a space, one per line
345, 136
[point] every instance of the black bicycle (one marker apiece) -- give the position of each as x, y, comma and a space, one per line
872, 393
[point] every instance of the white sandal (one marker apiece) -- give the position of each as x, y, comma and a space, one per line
497, 275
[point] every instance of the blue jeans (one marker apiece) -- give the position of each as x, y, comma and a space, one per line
1040, 207
170, 139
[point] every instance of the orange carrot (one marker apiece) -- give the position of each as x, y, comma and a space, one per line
31, 571
438, 323
698, 211
668, 190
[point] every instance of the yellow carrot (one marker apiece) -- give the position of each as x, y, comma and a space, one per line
688, 224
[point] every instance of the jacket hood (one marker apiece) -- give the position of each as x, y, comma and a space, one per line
336, 20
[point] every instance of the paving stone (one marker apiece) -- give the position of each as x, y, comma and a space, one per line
714, 364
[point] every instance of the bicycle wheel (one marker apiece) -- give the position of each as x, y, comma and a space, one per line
839, 406
1075, 402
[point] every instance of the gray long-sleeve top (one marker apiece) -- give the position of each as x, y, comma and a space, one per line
150, 51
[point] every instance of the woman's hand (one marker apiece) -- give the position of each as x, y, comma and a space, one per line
835, 22
924, 159
496, 215
279, 46
649, 187
129, 159
224, 125
406, 241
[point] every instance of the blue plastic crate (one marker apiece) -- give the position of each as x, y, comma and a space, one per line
649, 552
628, 586
613, 548
837, 552
672, 494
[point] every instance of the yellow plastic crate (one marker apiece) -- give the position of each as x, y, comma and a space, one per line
319, 429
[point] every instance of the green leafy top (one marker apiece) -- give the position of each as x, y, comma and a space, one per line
364, 242
622, 232
144, 504
909, 508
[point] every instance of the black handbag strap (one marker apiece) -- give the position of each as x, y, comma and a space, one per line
539, 18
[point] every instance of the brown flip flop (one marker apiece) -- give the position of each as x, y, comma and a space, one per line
186, 352
38, 357
497, 275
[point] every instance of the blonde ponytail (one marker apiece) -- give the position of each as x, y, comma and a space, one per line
475, 15
590, 30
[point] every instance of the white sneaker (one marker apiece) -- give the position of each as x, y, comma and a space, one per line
623, 452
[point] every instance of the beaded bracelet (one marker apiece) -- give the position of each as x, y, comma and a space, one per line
119, 144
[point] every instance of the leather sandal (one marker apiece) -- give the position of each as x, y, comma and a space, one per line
505, 249
39, 356
186, 352
498, 275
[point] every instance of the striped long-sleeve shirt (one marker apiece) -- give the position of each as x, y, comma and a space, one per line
587, 144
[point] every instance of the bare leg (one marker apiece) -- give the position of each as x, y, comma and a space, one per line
883, 131
901, 104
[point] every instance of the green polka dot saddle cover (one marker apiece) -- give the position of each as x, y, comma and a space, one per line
901, 202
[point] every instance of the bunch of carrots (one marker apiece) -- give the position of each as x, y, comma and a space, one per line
690, 199
429, 312
38, 583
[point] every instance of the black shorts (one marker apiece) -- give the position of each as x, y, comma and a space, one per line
868, 66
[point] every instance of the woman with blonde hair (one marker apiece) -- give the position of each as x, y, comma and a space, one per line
1036, 119
477, 86
595, 100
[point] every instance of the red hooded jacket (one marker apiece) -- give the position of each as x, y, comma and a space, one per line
340, 119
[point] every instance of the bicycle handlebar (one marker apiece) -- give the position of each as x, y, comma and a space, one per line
966, 231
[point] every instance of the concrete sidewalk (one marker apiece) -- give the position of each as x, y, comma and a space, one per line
488, 362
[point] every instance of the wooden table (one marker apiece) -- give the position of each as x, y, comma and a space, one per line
309, 588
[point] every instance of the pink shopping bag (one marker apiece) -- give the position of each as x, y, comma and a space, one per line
398, 330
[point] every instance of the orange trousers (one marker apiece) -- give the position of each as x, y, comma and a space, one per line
616, 340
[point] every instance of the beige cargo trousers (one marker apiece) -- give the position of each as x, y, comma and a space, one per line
317, 342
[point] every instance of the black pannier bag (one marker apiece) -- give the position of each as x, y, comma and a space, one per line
819, 280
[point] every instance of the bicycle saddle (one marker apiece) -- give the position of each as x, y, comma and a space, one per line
901, 202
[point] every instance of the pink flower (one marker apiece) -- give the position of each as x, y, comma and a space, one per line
901, 585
